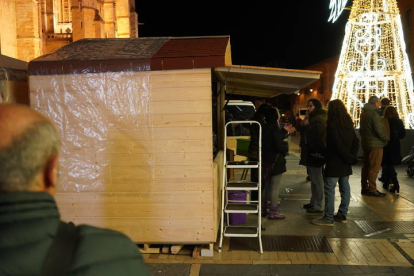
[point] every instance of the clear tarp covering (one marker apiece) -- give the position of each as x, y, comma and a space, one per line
102, 117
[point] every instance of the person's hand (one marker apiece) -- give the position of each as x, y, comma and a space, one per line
289, 128
305, 122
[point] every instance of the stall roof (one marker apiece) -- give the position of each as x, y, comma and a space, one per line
264, 81
12, 63
134, 54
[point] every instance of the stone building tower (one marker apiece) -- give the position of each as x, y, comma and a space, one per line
31, 28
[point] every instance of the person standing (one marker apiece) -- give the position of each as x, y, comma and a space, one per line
384, 103
373, 140
273, 160
313, 137
342, 147
392, 151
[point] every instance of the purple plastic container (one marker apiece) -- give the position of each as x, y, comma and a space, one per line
235, 219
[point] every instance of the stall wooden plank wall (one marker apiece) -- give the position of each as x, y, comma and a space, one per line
137, 151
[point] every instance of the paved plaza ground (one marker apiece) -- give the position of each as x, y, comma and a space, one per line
377, 240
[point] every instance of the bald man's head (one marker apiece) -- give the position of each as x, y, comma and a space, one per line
28, 144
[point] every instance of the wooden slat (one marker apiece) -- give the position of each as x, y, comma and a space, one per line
195, 146
146, 184
180, 94
176, 248
138, 210
176, 235
121, 174
164, 197
183, 159
181, 107
182, 120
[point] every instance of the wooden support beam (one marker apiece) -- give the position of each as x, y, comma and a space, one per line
176, 248
165, 249
148, 250
196, 252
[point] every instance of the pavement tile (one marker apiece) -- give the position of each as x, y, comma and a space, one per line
169, 269
403, 270
236, 270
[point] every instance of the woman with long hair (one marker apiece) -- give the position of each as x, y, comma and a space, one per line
392, 151
342, 147
274, 150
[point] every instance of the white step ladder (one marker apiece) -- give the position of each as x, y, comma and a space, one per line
234, 206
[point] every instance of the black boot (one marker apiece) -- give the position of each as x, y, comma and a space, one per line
395, 189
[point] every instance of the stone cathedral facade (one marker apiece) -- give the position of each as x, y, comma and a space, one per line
31, 28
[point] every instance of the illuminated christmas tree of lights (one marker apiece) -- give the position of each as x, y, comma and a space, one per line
373, 60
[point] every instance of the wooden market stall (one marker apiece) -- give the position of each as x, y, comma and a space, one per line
136, 118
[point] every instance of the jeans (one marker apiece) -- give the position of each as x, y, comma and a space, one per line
271, 190
344, 189
317, 184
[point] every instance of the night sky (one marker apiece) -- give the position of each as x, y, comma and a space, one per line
293, 34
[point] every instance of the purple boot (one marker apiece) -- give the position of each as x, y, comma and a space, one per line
265, 208
274, 212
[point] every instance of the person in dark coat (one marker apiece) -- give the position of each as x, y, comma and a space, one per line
253, 151
29, 217
313, 137
274, 150
392, 151
342, 147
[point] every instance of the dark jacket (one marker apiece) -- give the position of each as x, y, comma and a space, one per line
28, 223
372, 130
253, 152
313, 135
392, 151
272, 146
342, 147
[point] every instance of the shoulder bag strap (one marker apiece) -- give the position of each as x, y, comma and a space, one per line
60, 254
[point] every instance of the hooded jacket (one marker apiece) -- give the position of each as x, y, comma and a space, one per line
28, 224
372, 130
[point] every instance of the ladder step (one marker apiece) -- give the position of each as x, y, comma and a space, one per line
245, 186
242, 208
241, 231
242, 164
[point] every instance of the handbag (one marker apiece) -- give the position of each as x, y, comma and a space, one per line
267, 169
315, 157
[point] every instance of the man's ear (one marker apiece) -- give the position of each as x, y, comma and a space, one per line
50, 175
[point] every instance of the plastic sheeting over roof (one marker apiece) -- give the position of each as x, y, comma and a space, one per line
132, 54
